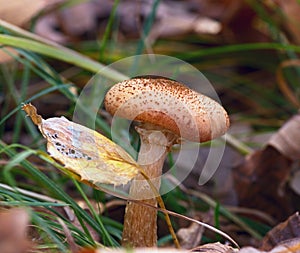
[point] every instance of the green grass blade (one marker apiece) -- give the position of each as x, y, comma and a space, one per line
107, 236
108, 30
147, 27
48, 184
18, 158
44, 226
63, 54
236, 48
37, 95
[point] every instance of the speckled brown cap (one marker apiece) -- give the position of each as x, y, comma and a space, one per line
170, 105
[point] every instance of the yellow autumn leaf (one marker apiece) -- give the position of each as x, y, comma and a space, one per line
88, 154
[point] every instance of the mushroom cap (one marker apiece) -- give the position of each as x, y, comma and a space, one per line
168, 104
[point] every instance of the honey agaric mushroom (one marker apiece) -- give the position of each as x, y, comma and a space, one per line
167, 111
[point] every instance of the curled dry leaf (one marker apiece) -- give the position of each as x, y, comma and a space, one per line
190, 237
266, 167
85, 153
284, 231
287, 139
214, 248
289, 246
270, 166
287, 142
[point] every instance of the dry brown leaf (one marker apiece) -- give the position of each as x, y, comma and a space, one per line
78, 19
289, 246
214, 248
72, 23
191, 236
13, 226
260, 182
270, 167
295, 182
172, 19
176, 25
286, 230
287, 139
45, 27
18, 12
287, 142
32, 113
237, 18
172, 25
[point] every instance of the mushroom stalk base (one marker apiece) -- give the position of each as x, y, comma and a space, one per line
140, 222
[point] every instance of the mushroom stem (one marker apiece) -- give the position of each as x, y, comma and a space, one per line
140, 221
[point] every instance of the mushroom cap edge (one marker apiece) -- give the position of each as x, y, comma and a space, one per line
146, 99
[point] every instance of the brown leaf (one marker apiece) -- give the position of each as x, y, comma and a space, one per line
13, 226
78, 19
72, 23
190, 237
260, 182
294, 182
176, 25
18, 12
236, 17
287, 139
69, 23
214, 248
289, 246
45, 27
32, 113
286, 230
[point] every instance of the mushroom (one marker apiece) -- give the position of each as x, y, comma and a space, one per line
167, 112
